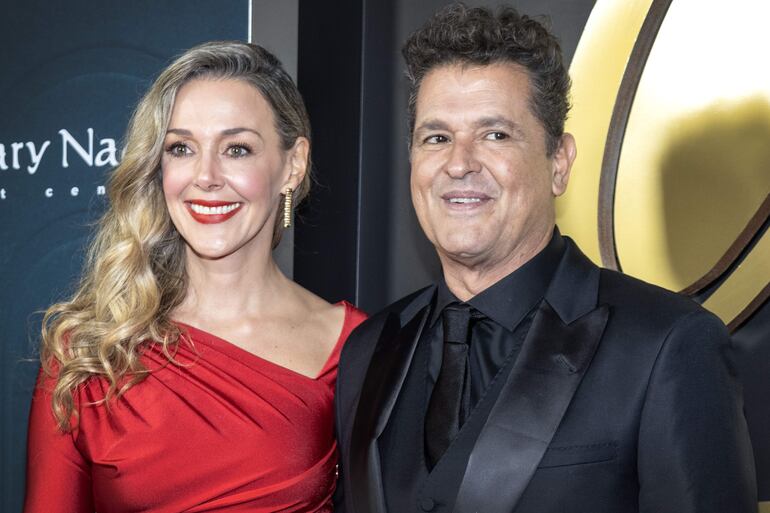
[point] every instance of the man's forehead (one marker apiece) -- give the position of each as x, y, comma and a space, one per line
449, 81
491, 94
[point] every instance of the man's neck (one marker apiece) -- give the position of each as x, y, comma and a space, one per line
466, 280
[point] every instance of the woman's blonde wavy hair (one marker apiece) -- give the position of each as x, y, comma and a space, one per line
134, 275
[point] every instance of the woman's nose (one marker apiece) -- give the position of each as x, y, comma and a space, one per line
209, 175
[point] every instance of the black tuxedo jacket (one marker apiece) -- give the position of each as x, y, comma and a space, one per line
622, 399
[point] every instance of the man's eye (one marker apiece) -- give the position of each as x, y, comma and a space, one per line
497, 136
178, 150
435, 139
238, 150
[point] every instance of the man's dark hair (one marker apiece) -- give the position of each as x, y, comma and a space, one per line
460, 35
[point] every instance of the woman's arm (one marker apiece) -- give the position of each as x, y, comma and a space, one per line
58, 476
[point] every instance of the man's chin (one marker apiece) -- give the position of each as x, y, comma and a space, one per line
469, 255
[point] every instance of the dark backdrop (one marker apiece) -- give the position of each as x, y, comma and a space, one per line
73, 66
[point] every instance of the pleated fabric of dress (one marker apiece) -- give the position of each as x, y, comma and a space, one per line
223, 431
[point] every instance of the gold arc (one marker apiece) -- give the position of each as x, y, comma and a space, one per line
734, 252
738, 292
616, 132
597, 71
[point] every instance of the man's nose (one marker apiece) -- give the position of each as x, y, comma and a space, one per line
462, 158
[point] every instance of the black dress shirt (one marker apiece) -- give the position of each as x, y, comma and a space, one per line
505, 305
508, 306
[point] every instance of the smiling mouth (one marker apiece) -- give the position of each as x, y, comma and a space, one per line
224, 209
462, 201
212, 212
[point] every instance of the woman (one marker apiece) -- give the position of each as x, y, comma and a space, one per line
188, 373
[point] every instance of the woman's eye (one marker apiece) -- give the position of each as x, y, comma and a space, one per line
238, 150
435, 139
178, 150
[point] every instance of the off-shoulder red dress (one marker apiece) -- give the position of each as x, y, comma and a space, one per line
225, 431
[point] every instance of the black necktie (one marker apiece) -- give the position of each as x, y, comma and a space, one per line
450, 401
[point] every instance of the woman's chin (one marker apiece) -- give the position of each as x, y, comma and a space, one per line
209, 251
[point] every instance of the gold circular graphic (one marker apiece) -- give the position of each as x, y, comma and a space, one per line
672, 181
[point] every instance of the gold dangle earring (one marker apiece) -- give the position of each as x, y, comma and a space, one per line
287, 207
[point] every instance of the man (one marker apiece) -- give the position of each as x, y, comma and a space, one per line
528, 379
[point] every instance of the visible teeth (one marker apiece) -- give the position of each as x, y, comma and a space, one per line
201, 209
464, 200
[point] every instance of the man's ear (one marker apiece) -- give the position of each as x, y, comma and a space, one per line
562, 161
297, 162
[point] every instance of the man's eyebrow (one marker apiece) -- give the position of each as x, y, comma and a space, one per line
485, 122
432, 124
493, 121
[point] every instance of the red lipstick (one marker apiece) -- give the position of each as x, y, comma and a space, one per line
212, 212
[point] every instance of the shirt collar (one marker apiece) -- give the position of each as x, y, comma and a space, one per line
507, 301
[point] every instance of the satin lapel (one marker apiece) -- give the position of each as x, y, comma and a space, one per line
553, 360
384, 378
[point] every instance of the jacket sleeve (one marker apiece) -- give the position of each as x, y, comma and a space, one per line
58, 476
354, 362
694, 453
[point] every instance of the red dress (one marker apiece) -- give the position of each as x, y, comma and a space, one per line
227, 431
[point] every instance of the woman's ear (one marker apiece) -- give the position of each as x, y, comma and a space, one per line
297, 162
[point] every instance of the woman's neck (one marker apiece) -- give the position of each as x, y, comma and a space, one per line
234, 286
